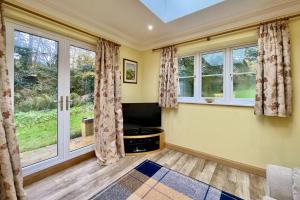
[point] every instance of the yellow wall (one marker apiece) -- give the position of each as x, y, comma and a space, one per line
231, 132
132, 93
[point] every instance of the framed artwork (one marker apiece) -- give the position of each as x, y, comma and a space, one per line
130, 69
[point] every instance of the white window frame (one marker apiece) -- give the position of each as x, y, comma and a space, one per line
217, 100
196, 74
227, 80
64, 43
239, 101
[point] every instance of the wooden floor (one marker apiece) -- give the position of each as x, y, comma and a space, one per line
87, 178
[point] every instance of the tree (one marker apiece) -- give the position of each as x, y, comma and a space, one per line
35, 72
82, 74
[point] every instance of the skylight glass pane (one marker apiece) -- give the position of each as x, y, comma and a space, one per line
169, 10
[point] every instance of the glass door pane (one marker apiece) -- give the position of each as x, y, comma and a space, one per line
212, 66
82, 65
35, 96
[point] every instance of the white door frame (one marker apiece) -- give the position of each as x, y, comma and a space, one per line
67, 153
63, 117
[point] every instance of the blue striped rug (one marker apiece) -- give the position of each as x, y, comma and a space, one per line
151, 181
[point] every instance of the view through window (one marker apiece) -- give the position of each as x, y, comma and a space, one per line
186, 76
244, 72
82, 65
212, 74
53, 102
226, 76
35, 96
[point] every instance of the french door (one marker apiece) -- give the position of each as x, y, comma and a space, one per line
52, 79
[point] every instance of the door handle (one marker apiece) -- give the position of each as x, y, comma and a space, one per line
68, 102
61, 103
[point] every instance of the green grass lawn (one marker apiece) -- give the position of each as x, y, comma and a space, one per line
246, 93
36, 129
241, 93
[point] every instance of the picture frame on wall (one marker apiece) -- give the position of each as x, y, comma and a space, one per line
130, 71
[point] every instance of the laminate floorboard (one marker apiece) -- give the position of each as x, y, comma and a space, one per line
82, 181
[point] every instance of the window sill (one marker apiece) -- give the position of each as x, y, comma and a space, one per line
219, 103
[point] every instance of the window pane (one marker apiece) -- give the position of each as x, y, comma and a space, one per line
35, 96
186, 66
244, 67
82, 64
186, 87
212, 63
212, 86
186, 69
212, 74
244, 59
244, 85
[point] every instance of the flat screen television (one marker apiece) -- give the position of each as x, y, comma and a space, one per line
139, 115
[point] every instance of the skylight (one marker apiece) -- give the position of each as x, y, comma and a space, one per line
169, 10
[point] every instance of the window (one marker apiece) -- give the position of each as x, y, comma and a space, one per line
168, 11
35, 93
82, 67
53, 79
225, 76
212, 67
186, 76
244, 64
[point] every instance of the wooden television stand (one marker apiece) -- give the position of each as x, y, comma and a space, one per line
142, 141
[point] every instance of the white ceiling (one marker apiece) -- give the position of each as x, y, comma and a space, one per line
126, 21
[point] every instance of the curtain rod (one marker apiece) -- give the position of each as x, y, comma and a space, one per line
208, 37
52, 20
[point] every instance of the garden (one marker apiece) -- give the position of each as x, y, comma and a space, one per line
36, 87
37, 129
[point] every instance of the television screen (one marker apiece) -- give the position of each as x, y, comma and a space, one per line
138, 115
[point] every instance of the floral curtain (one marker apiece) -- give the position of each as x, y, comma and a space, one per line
168, 78
11, 180
273, 79
108, 122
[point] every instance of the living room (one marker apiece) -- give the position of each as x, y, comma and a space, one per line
150, 99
